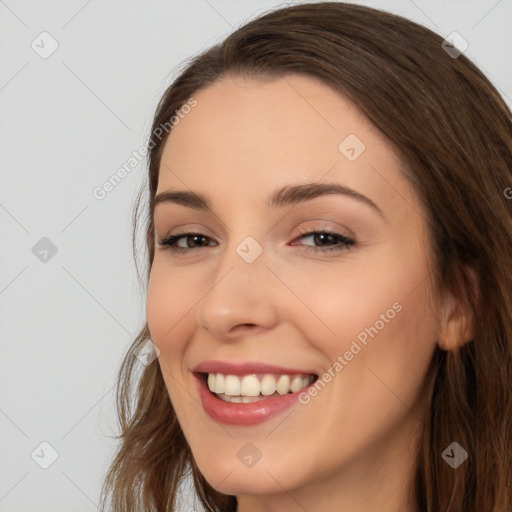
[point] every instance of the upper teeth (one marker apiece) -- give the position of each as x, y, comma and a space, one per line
251, 385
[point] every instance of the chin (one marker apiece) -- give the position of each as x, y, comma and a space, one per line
229, 475
247, 483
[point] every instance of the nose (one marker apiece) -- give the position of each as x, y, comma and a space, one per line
238, 299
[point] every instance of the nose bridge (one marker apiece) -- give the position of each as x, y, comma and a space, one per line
239, 291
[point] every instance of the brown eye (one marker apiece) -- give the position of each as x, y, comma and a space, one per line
334, 241
170, 242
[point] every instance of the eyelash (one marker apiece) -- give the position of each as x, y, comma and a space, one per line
344, 243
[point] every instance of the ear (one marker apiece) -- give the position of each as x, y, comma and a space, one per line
458, 322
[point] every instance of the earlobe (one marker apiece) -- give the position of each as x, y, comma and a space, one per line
458, 322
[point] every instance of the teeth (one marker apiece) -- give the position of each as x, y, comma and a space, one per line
211, 382
250, 388
283, 384
268, 385
231, 385
220, 383
296, 384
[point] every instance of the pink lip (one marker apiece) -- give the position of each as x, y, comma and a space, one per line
228, 368
239, 413
242, 414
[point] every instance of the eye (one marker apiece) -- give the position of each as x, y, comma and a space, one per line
193, 242
170, 242
341, 242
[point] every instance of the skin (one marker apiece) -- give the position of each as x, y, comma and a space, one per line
353, 447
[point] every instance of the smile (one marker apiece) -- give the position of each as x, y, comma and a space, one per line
256, 387
246, 394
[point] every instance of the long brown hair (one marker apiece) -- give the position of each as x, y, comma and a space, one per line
453, 132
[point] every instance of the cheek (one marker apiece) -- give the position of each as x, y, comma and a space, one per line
378, 316
338, 303
169, 308
169, 313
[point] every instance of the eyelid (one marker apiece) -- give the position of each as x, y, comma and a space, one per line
183, 229
334, 230
305, 227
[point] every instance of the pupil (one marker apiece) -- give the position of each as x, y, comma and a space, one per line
322, 237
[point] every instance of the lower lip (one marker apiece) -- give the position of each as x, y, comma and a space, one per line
232, 413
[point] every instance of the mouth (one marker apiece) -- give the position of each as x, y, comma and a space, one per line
244, 399
252, 388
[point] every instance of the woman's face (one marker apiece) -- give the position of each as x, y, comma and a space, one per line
259, 290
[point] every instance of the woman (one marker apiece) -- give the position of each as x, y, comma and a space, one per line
330, 287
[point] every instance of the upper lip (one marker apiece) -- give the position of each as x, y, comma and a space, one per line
246, 368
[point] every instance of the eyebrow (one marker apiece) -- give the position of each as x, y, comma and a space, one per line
288, 195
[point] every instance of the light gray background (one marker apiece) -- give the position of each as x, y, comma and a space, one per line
67, 123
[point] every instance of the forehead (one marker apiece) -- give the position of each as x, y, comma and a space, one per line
276, 112
247, 136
